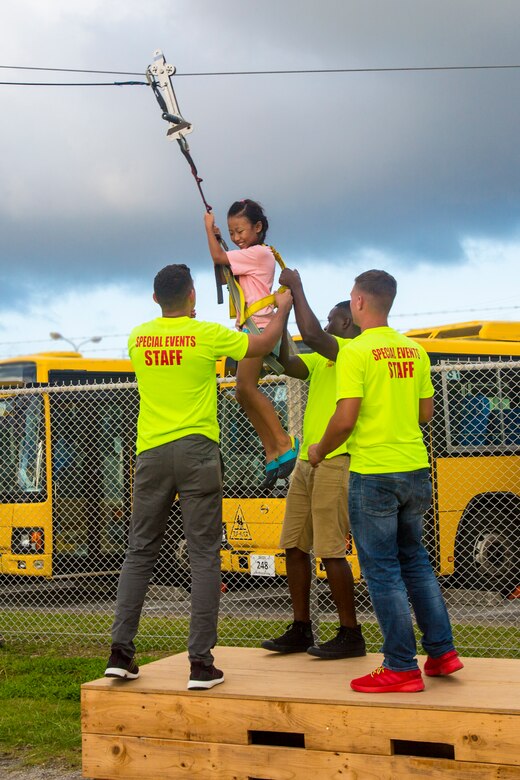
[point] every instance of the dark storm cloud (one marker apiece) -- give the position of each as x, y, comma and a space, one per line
409, 164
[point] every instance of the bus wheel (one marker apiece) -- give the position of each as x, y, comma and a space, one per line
487, 551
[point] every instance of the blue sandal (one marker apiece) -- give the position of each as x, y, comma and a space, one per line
271, 474
287, 461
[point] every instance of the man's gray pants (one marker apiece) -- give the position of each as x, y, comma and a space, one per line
191, 467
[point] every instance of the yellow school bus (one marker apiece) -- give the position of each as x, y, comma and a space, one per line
65, 471
67, 438
473, 529
68, 456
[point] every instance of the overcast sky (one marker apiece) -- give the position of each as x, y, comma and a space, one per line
414, 172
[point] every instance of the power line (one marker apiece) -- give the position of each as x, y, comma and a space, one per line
291, 322
453, 311
47, 341
72, 70
75, 84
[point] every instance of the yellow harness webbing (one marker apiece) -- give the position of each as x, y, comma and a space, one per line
237, 301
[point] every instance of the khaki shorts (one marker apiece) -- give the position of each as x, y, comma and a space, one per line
316, 512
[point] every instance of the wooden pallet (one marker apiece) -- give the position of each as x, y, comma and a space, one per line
295, 717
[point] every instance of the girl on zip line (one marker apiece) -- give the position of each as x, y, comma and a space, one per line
253, 264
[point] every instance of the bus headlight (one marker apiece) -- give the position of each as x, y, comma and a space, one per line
27, 541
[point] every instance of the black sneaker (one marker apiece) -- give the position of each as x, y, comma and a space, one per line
121, 665
297, 639
348, 643
203, 677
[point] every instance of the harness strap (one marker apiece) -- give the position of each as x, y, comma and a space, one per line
262, 303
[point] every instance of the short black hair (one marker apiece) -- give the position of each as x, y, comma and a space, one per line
346, 309
251, 210
172, 285
345, 305
380, 285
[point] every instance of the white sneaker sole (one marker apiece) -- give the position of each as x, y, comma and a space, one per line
204, 685
123, 674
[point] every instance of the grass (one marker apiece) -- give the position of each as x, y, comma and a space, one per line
40, 699
40, 678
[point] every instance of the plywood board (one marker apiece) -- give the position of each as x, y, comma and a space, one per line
354, 728
133, 758
484, 685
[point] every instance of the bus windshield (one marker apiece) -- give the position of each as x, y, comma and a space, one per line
17, 373
22, 447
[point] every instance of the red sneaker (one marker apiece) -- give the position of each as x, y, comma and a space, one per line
445, 664
383, 680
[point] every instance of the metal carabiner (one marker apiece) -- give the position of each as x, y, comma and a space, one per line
159, 77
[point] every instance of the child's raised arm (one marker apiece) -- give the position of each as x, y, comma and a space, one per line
216, 251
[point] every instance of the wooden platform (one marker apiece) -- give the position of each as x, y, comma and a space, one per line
291, 717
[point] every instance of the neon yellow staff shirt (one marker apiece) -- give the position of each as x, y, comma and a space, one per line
174, 361
390, 372
321, 402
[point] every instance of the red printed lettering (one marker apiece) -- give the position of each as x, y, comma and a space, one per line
163, 357
404, 370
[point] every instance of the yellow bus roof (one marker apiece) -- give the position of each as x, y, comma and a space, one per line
62, 359
470, 338
481, 331
75, 361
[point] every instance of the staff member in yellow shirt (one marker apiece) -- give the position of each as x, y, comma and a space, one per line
316, 514
177, 452
384, 392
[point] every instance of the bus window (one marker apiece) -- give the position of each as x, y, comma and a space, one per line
481, 410
504, 418
22, 444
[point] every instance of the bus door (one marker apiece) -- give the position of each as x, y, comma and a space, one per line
25, 512
92, 442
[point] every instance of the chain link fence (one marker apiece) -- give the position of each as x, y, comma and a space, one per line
66, 470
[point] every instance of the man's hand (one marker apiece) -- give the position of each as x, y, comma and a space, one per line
314, 456
290, 279
284, 301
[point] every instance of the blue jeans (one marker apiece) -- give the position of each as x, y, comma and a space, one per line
386, 516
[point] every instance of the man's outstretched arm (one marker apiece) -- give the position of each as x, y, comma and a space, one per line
293, 364
308, 324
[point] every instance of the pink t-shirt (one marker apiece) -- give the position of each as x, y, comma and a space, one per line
254, 267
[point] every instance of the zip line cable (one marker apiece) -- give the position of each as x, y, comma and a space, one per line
277, 72
301, 71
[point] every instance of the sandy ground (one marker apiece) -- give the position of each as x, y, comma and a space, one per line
12, 770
